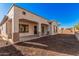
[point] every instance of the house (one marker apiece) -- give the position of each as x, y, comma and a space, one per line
20, 22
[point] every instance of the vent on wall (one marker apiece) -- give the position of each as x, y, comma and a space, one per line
23, 12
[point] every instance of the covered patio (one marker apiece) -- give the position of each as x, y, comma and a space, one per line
34, 30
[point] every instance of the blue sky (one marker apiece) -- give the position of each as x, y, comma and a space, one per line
66, 14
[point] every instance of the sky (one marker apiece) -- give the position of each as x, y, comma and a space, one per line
67, 14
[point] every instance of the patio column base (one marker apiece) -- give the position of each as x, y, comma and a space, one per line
39, 33
15, 37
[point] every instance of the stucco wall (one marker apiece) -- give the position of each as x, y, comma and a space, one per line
6, 29
3, 30
9, 28
52, 28
28, 15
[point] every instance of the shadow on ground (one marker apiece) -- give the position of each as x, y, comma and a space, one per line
10, 51
63, 43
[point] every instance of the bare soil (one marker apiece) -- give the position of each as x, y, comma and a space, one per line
55, 45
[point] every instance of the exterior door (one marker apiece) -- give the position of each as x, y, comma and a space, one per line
35, 29
42, 29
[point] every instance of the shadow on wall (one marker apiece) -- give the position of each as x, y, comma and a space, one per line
56, 43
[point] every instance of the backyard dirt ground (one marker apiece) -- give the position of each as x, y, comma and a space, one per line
55, 45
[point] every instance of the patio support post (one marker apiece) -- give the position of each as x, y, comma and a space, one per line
39, 29
52, 29
49, 30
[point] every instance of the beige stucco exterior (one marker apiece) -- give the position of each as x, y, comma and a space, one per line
3, 30
11, 26
52, 27
6, 29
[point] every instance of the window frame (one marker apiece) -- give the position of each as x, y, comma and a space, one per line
25, 28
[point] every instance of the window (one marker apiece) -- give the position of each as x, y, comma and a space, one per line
23, 28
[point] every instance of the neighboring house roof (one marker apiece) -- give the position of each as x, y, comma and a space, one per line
51, 21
